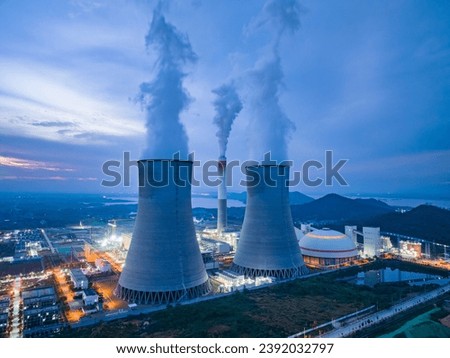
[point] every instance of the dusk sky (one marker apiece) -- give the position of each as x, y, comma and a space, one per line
369, 80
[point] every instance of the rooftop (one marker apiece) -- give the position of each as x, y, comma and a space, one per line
327, 243
90, 292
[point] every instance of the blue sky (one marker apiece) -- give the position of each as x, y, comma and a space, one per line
369, 80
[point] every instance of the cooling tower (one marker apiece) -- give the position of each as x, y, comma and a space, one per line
164, 263
268, 245
222, 196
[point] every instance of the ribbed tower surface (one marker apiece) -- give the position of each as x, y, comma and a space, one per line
268, 245
164, 263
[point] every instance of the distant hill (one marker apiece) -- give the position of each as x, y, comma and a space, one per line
18, 211
295, 197
331, 208
242, 197
336, 208
425, 222
373, 202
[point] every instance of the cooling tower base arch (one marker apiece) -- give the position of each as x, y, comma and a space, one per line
164, 263
280, 273
162, 297
268, 245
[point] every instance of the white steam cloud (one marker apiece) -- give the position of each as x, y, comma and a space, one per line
165, 98
269, 127
227, 105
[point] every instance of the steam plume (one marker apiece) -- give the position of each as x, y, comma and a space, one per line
269, 126
227, 105
165, 97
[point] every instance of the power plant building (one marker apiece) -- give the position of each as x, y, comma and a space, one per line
79, 279
164, 263
372, 241
268, 244
410, 249
351, 231
327, 247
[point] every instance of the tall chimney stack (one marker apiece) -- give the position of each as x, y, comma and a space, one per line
222, 196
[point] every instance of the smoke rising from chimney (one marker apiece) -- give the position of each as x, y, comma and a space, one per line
227, 105
280, 16
164, 98
269, 126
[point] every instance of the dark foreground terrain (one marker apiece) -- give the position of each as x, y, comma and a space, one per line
278, 311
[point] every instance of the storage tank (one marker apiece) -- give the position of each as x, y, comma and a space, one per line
327, 247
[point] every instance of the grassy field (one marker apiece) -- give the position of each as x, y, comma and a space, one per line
277, 311
422, 326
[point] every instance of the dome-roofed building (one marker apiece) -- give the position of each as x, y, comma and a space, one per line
326, 247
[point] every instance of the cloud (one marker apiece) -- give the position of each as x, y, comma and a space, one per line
52, 124
424, 164
31, 164
85, 73
373, 85
87, 179
30, 89
278, 16
85, 6
32, 178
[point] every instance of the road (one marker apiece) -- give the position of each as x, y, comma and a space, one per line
381, 316
15, 332
52, 249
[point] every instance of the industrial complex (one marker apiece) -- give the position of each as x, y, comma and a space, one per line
180, 208
79, 275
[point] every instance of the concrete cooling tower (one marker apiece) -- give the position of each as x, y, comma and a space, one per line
268, 244
164, 263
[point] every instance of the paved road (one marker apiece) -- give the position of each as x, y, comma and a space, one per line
15, 332
381, 316
52, 249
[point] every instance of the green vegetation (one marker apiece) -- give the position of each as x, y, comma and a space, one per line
425, 221
276, 311
425, 325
